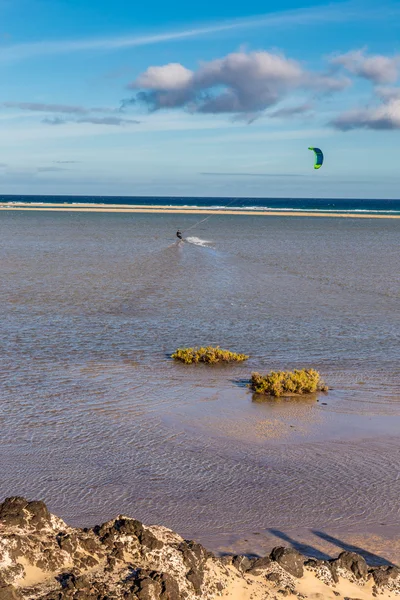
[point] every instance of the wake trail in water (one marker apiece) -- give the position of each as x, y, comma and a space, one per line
198, 242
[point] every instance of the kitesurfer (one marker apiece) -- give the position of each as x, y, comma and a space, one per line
179, 234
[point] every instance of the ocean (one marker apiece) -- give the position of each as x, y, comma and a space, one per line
97, 420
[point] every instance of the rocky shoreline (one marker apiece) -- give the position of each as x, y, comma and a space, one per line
42, 558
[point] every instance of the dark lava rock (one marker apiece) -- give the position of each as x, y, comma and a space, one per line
12, 511
193, 553
227, 559
109, 533
67, 581
9, 593
383, 575
242, 563
334, 573
196, 578
169, 586
352, 562
314, 563
194, 557
150, 541
39, 514
259, 564
274, 577
289, 559
67, 542
17, 511
151, 584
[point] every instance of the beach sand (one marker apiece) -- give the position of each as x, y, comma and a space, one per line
118, 208
309, 586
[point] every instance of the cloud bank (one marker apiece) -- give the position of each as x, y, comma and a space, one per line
376, 68
383, 113
250, 84
384, 116
239, 83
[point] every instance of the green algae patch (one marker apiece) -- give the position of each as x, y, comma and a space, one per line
209, 354
281, 383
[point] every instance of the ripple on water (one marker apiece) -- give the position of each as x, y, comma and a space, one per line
98, 421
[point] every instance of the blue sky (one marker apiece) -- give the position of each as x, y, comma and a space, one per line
221, 98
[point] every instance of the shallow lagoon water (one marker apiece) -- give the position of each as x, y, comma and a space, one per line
98, 421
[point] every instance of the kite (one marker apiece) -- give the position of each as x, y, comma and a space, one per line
319, 157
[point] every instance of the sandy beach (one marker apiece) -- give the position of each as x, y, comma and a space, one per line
120, 208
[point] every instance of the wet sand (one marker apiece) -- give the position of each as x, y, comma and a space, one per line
120, 208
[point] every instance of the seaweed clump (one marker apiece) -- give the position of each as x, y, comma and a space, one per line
208, 354
280, 383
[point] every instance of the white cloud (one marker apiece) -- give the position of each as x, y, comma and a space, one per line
239, 83
385, 116
170, 77
376, 68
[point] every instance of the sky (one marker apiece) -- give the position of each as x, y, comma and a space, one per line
200, 99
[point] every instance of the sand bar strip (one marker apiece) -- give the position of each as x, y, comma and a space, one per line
118, 208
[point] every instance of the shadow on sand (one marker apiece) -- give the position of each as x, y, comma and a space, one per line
373, 560
305, 549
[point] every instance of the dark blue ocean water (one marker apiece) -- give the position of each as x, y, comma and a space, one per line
307, 204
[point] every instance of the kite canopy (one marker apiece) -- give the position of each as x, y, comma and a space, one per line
319, 157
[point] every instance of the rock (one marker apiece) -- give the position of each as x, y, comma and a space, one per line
259, 565
169, 587
242, 563
67, 542
274, 577
40, 516
67, 581
334, 573
384, 575
314, 563
146, 589
193, 553
18, 512
126, 560
155, 586
352, 562
196, 578
289, 559
12, 511
8, 592
111, 531
227, 559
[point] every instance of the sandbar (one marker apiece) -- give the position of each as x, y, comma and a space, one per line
121, 208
